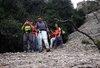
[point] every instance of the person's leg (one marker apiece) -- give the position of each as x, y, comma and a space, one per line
39, 40
55, 42
25, 43
36, 43
31, 44
44, 36
51, 42
61, 41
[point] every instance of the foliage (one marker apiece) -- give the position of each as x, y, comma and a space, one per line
98, 44
10, 35
85, 41
14, 12
79, 17
95, 6
91, 6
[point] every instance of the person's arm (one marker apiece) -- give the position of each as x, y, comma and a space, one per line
32, 26
23, 26
36, 26
59, 31
46, 27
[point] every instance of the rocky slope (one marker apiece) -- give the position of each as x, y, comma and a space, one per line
73, 55
91, 27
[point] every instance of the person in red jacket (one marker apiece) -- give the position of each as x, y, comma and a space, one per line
34, 34
52, 37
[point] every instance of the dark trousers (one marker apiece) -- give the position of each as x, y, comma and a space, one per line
35, 43
28, 41
58, 42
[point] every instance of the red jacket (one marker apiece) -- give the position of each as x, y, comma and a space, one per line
52, 34
33, 30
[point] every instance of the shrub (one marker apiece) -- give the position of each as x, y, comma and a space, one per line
85, 42
11, 36
98, 44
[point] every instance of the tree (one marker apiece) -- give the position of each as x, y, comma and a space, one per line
13, 14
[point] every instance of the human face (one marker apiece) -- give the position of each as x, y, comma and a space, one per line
39, 19
56, 25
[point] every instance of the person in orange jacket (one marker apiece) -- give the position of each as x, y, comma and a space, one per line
58, 37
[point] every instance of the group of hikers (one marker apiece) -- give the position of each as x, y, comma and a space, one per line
35, 34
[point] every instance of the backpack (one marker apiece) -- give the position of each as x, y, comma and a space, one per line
29, 30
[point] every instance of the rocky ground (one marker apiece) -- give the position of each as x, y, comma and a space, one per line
74, 54
67, 57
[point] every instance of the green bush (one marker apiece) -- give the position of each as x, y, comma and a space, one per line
10, 35
98, 44
79, 17
85, 42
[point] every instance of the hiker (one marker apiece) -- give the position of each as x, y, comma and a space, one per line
27, 37
42, 34
58, 39
52, 38
34, 34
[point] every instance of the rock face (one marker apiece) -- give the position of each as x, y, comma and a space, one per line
74, 54
91, 27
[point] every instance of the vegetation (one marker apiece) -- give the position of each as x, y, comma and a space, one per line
95, 6
85, 42
13, 14
86, 6
98, 44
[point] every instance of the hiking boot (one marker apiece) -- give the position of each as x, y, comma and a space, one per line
55, 47
29, 50
35, 50
25, 51
48, 50
40, 50
60, 46
32, 51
